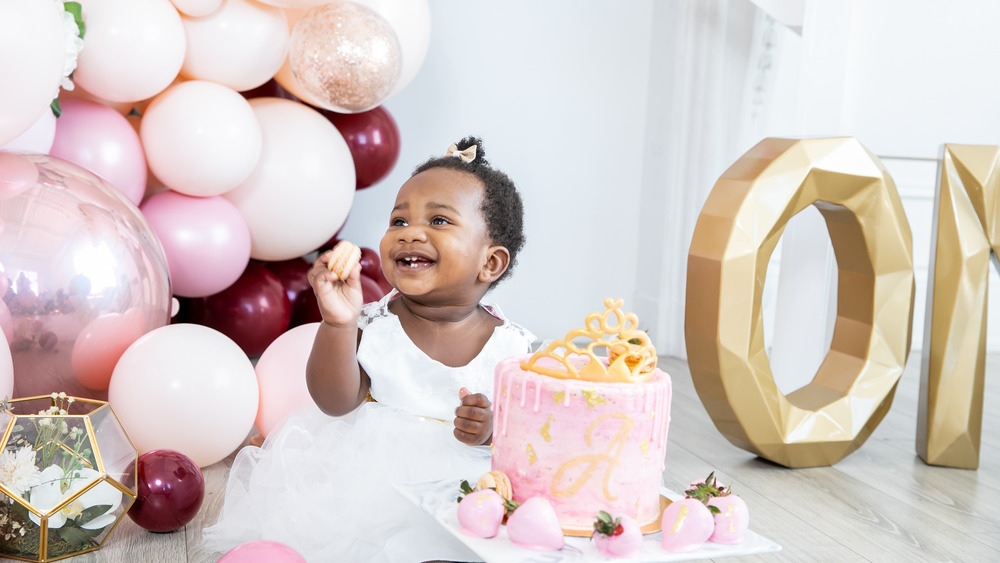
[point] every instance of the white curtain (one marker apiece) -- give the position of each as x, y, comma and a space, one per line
711, 97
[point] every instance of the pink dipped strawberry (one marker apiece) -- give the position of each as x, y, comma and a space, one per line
534, 525
686, 524
732, 519
729, 511
616, 537
480, 513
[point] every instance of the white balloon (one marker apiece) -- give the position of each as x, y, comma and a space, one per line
302, 189
242, 45
6, 368
201, 138
411, 19
32, 55
196, 8
38, 138
133, 48
188, 388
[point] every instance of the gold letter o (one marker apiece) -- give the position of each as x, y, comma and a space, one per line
738, 228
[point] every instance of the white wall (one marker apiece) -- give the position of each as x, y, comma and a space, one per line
557, 90
565, 94
904, 78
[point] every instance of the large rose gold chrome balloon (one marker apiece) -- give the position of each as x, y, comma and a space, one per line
85, 276
345, 56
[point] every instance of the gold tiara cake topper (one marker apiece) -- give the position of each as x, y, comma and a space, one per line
631, 356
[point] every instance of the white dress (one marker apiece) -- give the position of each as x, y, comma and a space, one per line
324, 485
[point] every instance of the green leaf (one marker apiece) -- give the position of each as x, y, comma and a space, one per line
56, 110
76, 537
77, 11
714, 509
92, 512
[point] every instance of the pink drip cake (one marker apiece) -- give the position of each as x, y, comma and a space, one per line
585, 430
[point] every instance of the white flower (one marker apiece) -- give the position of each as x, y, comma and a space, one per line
73, 47
18, 471
49, 494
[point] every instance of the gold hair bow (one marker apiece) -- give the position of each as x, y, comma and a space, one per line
467, 155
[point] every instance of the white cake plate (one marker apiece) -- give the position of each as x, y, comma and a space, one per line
438, 499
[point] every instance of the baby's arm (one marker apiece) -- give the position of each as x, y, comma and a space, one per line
473, 419
335, 380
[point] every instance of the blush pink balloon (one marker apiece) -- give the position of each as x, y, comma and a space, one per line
299, 194
187, 388
201, 138
205, 239
101, 344
133, 50
281, 377
17, 174
38, 138
101, 140
262, 551
32, 55
240, 45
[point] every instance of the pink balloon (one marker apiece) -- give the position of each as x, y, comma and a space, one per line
38, 138
205, 239
17, 174
101, 344
32, 55
74, 249
262, 551
101, 140
281, 377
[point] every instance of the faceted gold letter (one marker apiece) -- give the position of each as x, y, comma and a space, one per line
952, 367
736, 233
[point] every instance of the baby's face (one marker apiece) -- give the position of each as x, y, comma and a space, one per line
437, 241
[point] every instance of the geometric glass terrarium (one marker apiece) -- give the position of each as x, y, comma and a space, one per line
67, 476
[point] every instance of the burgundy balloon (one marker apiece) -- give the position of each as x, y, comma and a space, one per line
294, 277
307, 309
253, 312
373, 138
170, 489
371, 266
269, 89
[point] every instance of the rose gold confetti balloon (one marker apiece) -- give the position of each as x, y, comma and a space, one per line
345, 56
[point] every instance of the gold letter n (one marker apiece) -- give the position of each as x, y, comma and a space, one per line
952, 368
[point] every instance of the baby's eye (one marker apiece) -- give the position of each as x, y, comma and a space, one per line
397, 222
439, 221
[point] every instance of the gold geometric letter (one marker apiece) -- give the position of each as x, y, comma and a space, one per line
952, 367
738, 228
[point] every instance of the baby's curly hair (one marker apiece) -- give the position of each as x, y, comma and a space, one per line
502, 208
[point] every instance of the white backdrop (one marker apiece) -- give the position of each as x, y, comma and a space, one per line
615, 119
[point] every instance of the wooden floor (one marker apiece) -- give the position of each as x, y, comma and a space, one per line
880, 504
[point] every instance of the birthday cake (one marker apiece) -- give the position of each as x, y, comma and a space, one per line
585, 427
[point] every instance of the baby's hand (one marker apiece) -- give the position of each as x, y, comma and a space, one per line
473, 419
339, 301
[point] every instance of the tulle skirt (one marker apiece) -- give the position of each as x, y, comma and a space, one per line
324, 486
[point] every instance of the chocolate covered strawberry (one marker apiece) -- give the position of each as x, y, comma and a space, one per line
616, 537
